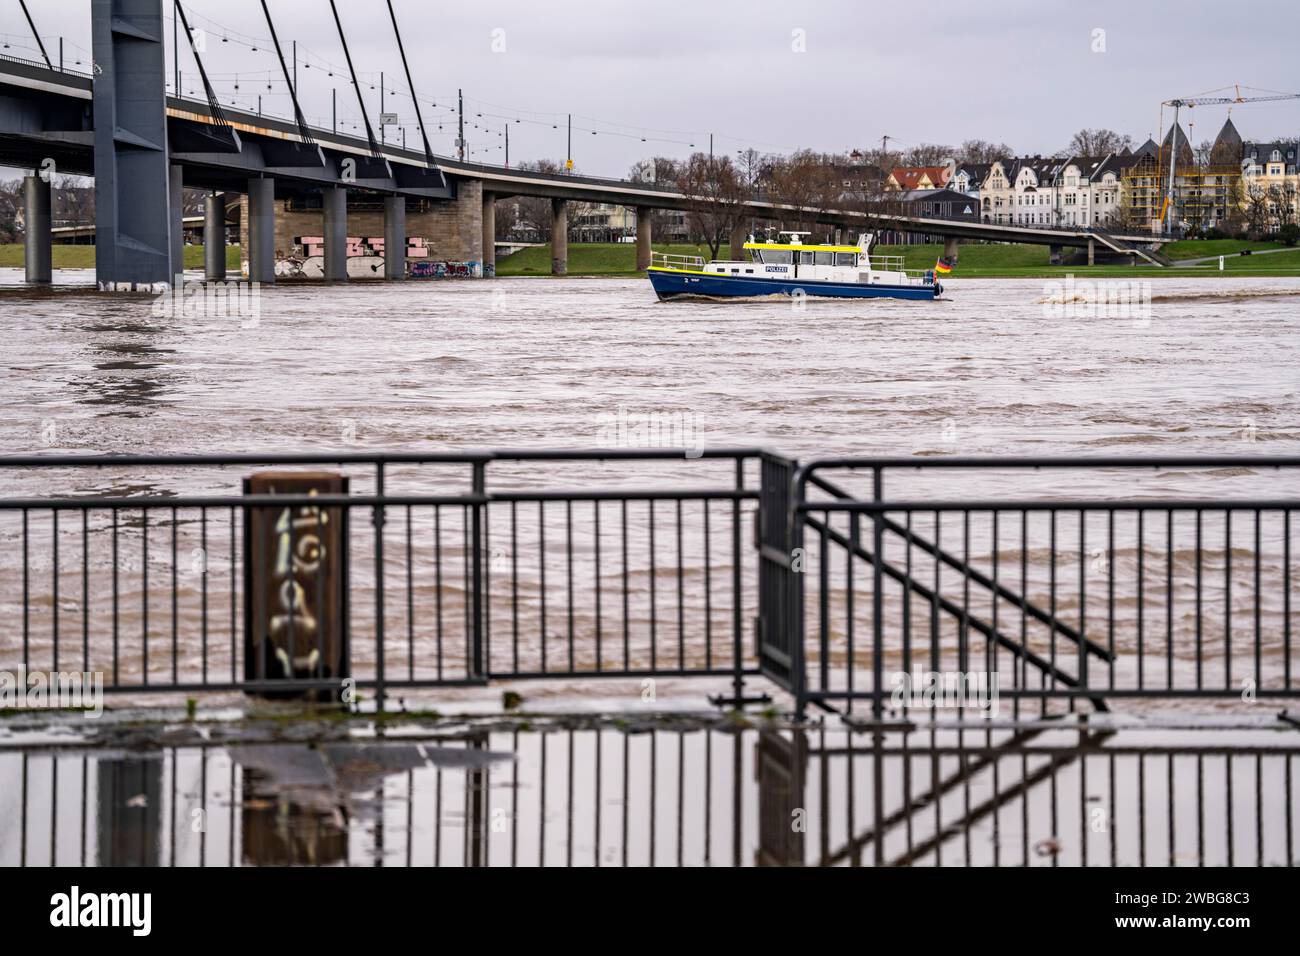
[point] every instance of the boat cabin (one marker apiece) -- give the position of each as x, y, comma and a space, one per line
791, 258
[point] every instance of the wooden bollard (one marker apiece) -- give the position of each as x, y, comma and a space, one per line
295, 583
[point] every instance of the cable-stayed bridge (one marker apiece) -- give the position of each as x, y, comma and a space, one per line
117, 122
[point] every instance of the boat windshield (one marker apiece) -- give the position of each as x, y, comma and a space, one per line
773, 256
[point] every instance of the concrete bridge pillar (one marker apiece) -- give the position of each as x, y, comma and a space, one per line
36, 227
737, 241
261, 230
334, 202
559, 237
950, 249
1092, 251
214, 237
176, 228
394, 237
643, 238
489, 235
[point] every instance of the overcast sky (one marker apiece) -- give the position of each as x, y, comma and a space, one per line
825, 74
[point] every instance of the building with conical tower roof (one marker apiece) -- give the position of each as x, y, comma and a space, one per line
1206, 187
1227, 146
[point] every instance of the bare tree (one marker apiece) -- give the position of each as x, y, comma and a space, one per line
1098, 142
807, 182
1286, 205
1256, 205
533, 212
72, 201
982, 151
11, 203
883, 159
880, 201
928, 154
507, 214
660, 170
1233, 221
714, 196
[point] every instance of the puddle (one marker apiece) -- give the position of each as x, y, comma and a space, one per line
593, 795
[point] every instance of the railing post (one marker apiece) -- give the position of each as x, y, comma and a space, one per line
295, 582
877, 597
479, 668
737, 651
377, 519
795, 533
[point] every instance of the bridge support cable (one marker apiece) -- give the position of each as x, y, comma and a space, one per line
31, 23
303, 130
428, 153
361, 100
213, 103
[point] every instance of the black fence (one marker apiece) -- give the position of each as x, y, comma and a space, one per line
1051, 580
453, 570
1082, 593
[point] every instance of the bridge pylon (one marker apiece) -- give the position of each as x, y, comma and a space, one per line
133, 242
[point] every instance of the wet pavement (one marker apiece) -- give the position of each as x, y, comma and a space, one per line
687, 789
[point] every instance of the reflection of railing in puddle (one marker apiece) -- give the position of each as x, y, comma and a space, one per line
690, 796
1037, 796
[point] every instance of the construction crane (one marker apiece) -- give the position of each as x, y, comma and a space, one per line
1167, 212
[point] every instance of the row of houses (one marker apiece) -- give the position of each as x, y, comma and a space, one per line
1233, 185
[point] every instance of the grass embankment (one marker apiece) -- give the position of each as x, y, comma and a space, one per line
976, 260
1028, 261
1199, 248
83, 257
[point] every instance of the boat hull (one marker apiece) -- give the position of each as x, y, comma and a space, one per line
671, 284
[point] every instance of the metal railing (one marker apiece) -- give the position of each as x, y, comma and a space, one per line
666, 260
457, 569
40, 64
462, 568
1058, 598
888, 263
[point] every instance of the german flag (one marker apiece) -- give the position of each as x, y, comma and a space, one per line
943, 266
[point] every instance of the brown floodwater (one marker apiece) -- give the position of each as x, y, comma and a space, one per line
539, 362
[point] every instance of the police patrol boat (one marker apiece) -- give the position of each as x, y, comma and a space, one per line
791, 267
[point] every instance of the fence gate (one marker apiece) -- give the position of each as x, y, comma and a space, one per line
780, 646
